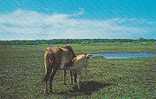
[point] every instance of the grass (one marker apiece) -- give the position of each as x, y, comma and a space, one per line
21, 72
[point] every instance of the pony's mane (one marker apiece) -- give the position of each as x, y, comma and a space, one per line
71, 49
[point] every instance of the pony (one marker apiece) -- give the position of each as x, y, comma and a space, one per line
79, 63
56, 58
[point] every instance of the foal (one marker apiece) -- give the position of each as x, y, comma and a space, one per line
78, 64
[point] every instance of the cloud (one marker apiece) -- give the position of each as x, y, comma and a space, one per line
23, 24
80, 13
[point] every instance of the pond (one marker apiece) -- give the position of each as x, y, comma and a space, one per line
124, 55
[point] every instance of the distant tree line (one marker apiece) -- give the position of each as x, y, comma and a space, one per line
69, 41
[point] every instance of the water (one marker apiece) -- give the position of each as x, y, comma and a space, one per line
124, 55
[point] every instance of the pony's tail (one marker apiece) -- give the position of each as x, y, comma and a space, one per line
45, 65
48, 62
45, 61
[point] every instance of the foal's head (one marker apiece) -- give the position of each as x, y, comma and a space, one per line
82, 59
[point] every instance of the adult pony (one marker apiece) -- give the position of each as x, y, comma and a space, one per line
56, 58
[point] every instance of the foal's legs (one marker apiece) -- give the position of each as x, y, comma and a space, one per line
75, 77
64, 76
78, 81
71, 77
52, 77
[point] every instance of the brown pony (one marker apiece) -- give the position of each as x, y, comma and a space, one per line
56, 58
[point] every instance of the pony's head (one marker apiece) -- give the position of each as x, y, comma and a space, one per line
88, 56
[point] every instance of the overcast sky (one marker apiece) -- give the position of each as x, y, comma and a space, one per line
77, 19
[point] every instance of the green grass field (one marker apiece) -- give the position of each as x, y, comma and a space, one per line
21, 72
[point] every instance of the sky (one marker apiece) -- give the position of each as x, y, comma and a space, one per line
77, 19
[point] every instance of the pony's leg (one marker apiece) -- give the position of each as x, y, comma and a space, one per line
64, 76
71, 77
46, 78
46, 87
51, 78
